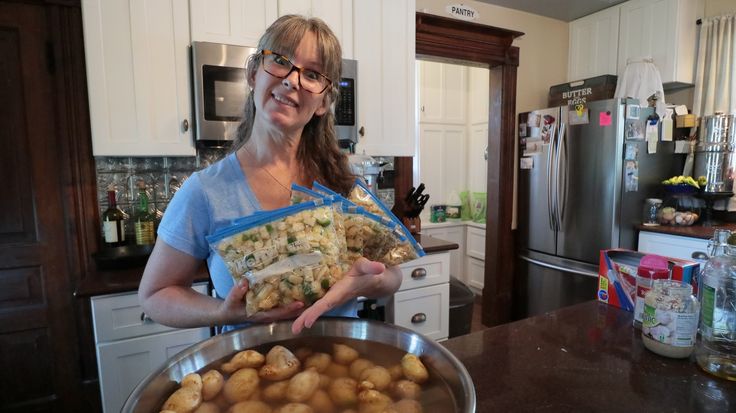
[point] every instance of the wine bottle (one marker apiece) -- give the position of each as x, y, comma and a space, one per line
144, 222
113, 222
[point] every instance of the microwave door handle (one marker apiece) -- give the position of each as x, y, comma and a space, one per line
550, 204
562, 171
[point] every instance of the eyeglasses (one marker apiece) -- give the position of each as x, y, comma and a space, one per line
280, 66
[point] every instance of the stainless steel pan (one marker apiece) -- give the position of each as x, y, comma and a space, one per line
150, 394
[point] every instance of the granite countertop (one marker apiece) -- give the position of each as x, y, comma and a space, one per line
694, 231
125, 280
583, 358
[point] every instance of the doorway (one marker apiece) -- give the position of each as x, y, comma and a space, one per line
447, 38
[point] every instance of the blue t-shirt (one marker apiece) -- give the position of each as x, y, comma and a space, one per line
209, 200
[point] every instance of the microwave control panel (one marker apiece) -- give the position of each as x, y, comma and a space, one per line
345, 107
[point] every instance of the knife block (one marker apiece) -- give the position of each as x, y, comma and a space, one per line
414, 225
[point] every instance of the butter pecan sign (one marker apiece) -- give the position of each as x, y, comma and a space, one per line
462, 11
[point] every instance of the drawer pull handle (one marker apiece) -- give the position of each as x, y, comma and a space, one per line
146, 319
418, 273
418, 318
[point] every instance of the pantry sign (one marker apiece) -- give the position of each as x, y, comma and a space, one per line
462, 11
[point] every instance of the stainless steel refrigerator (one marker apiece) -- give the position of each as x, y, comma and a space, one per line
583, 178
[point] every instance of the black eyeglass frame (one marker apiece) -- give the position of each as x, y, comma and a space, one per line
299, 70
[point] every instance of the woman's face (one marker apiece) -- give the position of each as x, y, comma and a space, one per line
282, 103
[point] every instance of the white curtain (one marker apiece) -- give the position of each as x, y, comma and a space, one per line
715, 75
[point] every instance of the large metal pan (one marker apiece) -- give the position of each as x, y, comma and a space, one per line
150, 394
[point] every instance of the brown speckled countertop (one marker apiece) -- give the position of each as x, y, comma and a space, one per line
583, 358
695, 231
124, 280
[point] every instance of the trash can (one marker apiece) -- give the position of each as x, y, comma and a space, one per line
462, 299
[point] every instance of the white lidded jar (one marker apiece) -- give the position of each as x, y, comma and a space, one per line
670, 319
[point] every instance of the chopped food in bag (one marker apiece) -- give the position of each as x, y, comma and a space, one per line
301, 193
362, 196
290, 254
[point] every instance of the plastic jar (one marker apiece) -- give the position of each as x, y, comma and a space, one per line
670, 320
650, 215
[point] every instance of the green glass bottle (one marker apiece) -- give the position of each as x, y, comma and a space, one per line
144, 219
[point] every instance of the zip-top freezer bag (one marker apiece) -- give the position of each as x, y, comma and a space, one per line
301, 193
362, 196
289, 254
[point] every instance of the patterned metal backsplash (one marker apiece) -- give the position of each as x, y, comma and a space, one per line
163, 176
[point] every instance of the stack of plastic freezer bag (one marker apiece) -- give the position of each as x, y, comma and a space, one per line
297, 253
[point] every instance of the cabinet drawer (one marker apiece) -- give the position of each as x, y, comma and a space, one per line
673, 246
120, 316
476, 273
424, 310
476, 243
123, 364
428, 270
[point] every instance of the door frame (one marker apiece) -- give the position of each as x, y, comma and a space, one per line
456, 39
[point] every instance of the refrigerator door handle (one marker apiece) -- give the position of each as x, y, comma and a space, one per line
561, 175
558, 267
550, 190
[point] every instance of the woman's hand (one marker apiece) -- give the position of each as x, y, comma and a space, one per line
234, 305
365, 278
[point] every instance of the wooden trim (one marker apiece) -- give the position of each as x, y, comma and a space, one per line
443, 37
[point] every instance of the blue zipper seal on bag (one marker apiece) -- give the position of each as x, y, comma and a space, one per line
623, 297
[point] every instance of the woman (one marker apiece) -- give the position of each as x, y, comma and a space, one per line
287, 136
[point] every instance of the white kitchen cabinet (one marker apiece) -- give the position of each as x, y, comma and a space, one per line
665, 30
475, 250
456, 234
476, 274
138, 77
674, 246
476, 242
422, 303
384, 45
442, 154
130, 345
593, 45
478, 103
442, 92
242, 22
239, 22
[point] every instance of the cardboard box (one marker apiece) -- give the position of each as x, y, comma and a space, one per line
617, 276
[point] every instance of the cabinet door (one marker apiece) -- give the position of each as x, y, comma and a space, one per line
424, 310
138, 77
442, 165
663, 30
594, 45
384, 44
443, 92
239, 22
123, 364
476, 244
476, 273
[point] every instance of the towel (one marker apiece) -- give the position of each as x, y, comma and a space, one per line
641, 80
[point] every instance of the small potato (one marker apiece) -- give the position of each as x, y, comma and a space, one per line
275, 392
357, 367
396, 372
414, 369
320, 361
321, 402
406, 389
184, 400
250, 406
295, 408
192, 380
335, 370
373, 401
208, 407
281, 364
302, 386
324, 381
405, 406
241, 385
303, 352
379, 376
243, 359
212, 383
344, 354
344, 391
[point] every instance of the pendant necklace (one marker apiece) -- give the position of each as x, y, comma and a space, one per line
269, 173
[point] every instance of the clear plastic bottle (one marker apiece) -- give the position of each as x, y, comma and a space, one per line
716, 351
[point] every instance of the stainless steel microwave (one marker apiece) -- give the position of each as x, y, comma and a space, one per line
220, 90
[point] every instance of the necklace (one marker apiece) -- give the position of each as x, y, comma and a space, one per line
287, 189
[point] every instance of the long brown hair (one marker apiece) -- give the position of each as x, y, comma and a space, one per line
318, 153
